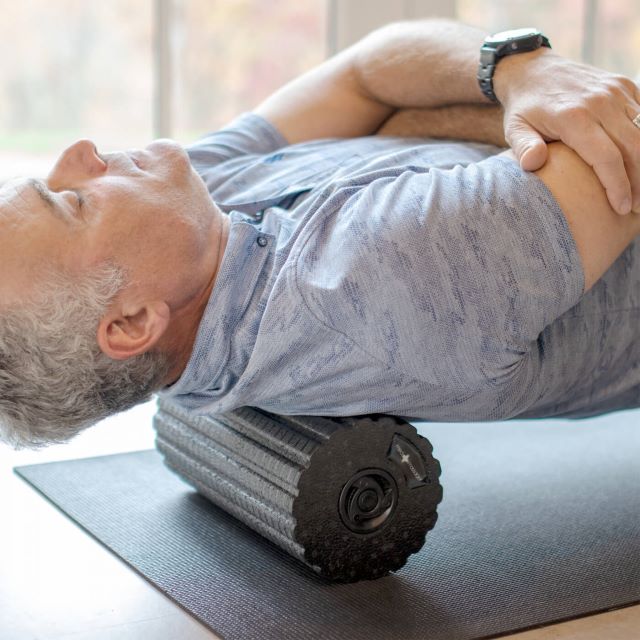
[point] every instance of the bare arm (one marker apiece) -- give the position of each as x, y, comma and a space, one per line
600, 234
477, 123
408, 64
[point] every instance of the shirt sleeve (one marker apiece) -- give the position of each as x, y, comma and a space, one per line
249, 134
448, 276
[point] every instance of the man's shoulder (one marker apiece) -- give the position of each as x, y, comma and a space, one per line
248, 134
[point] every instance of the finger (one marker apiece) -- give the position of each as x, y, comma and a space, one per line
598, 150
618, 125
630, 143
535, 155
527, 144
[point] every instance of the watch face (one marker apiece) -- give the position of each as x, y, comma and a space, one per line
512, 34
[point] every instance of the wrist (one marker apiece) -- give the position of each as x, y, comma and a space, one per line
496, 47
511, 71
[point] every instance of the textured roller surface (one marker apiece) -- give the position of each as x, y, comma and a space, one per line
352, 498
539, 523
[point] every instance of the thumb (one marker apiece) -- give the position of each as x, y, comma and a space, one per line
527, 144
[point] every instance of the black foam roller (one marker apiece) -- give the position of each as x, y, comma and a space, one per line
352, 498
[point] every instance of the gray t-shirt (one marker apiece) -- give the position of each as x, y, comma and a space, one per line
414, 277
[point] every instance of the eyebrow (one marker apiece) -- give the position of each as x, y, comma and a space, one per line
42, 191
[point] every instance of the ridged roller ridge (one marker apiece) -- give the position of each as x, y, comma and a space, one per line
350, 497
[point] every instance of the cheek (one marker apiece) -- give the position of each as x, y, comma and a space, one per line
151, 226
136, 238
115, 223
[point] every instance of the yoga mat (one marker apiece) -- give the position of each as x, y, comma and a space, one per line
540, 522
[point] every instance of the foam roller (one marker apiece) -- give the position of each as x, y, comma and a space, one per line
352, 498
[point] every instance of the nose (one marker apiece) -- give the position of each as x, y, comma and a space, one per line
77, 162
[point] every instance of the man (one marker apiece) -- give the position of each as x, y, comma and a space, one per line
323, 272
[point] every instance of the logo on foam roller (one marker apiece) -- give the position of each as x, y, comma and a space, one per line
410, 460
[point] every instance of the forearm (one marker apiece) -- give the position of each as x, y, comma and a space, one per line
427, 63
475, 122
599, 233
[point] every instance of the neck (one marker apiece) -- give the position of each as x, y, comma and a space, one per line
186, 321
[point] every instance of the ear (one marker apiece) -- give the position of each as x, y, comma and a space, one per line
128, 331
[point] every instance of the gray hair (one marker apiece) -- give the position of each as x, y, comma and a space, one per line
54, 379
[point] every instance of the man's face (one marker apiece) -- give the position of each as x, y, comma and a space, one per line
146, 210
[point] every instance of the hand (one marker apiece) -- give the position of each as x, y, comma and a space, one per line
547, 97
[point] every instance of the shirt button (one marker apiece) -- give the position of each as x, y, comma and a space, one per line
262, 241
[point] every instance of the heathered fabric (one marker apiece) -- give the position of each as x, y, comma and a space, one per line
420, 278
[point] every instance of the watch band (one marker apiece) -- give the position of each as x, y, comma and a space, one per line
492, 53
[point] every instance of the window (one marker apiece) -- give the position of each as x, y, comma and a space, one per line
84, 69
229, 55
122, 73
72, 69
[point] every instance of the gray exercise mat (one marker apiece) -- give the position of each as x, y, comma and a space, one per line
540, 522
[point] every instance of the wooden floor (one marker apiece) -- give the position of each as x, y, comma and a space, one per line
58, 583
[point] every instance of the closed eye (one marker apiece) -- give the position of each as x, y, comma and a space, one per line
80, 198
47, 198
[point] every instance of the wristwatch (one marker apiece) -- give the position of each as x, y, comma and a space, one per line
502, 44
